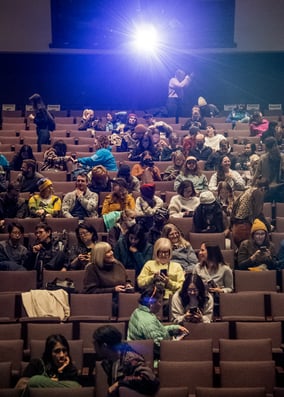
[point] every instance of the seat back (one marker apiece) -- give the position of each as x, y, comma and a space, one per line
5, 374
183, 224
245, 349
196, 239
127, 303
245, 306
230, 392
162, 392
267, 329
277, 304
186, 350
63, 392
10, 331
213, 331
8, 306
248, 374
75, 275
12, 350
37, 331
145, 347
91, 306
20, 281
186, 374
255, 281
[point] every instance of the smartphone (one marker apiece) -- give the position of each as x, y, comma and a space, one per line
193, 310
164, 272
263, 248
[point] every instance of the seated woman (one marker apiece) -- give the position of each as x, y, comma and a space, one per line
105, 274
148, 203
226, 174
257, 124
99, 180
119, 199
208, 216
225, 197
192, 303
145, 144
172, 171
213, 139
192, 172
185, 202
80, 255
215, 273
55, 369
121, 227
144, 324
88, 120
45, 204
146, 171
133, 250
183, 252
26, 152
162, 270
171, 148
257, 253
133, 183
55, 158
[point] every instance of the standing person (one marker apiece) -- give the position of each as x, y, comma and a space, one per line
28, 178
43, 119
257, 253
122, 365
176, 92
192, 303
55, 369
271, 168
133, 250
144, 324
162, 270
45, 204
81, 202
13, 254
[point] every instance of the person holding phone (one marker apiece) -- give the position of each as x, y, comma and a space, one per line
144, 324
257, 253
54, 369
192, 303
153, 272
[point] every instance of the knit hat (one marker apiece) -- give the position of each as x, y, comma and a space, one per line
207, 197
111, 218
132, 115
140, 128
124, 170
148, 190
258, 225
43, 183
201, 101
190, 158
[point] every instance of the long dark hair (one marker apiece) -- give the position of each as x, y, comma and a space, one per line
214, 255
197, 281
90, 229
139, 232
220, 169
50, 342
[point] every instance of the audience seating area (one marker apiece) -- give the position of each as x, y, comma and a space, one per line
239, 354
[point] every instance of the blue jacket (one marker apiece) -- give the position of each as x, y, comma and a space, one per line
102, 157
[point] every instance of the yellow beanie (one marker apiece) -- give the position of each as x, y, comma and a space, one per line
43, 183
258, 225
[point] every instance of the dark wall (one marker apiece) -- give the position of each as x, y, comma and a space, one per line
119, 82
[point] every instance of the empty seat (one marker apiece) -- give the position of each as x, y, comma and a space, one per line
277, 305
127, 303
75, 275
10, 331
12, 350
162, 392
255, 281
183, 224
245, 306
230, 392
20, 281
245, 349
5, 375
62, 392
8, 307
145, 347
186, 350
186, 374
60, 224
248, 374
86, 307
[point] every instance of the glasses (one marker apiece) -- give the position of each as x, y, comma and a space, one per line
16, 233
163, 253
191, 290
173, 234
59, 350
260, 234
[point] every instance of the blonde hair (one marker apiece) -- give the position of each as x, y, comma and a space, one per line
162, 244
98, 253
167, 230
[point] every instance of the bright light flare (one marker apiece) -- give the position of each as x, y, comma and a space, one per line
146, 39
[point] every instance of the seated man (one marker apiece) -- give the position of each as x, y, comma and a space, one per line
47, 252
13, 254
81, 202
27, 180
11, 205
200, 151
